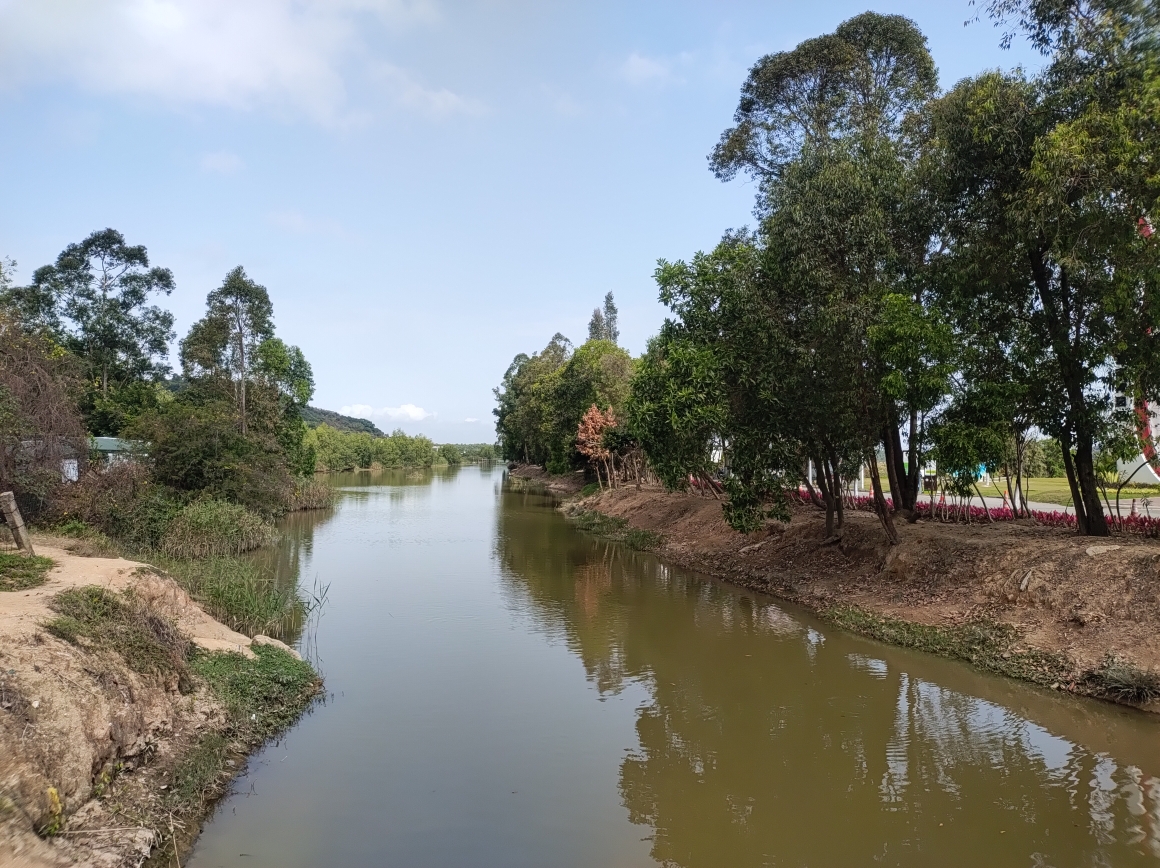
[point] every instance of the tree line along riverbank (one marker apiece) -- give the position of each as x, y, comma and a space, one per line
1018, 599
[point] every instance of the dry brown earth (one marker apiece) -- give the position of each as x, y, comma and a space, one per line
73, 720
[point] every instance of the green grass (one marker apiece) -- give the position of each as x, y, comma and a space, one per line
616, 529
1056, 490
590, 489
986, 644
98, 619
241, 595
19, 573
263, 697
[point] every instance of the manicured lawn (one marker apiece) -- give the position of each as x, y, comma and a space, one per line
1056, 490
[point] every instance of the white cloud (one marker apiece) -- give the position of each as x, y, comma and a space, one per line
221, 163
403, 89
470, 419
638, 70
299, 55
407, 412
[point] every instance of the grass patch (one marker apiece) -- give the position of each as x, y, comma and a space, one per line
1123, 682
210, 528
590, 489
18, 573
616, 529
241, 595
986, 644
263, 697
151, 644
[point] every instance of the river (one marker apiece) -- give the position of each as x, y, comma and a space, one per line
505, 691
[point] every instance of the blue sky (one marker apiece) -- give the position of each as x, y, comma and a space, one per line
426, 188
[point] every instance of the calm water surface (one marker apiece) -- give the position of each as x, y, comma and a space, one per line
504, 691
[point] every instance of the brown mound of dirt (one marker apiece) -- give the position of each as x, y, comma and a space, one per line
75, 720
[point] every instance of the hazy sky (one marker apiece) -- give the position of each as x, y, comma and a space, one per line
426, 188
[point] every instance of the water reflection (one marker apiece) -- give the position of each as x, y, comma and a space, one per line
772, 740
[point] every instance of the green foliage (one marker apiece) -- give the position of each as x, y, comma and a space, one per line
19, 573
313, 417
207, 527
339, 450
241, 595
544, 396
94, 301
449, 454
97, 618
264, 695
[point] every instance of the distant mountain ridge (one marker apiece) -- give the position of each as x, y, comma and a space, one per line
315, 416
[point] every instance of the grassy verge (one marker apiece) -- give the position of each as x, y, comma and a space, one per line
18, 573
210, 528
240, 594
98, 619
616, 529
263, 697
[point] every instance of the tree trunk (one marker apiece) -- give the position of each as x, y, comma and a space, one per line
914, 472
900, 495
1097, 523
1073, 483
880, 502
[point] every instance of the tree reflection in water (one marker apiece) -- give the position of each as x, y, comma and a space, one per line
768, 741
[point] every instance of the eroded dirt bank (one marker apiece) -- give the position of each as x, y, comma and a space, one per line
1033, 602
88, 746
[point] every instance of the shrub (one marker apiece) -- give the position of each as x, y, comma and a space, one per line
207, 528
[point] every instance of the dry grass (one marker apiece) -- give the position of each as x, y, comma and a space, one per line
18, 573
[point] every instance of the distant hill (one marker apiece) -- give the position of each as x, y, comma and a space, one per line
313, 416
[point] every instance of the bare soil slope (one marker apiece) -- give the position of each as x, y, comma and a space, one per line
76, 722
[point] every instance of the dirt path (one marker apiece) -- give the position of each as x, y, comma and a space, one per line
1080, 599
73, 721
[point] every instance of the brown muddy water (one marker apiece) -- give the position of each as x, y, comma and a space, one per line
505, 691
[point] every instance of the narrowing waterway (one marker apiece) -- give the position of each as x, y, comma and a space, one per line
506, 691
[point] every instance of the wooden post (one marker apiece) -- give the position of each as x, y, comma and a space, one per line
15, 522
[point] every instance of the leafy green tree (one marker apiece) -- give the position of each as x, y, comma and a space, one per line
238, 319
523, 402
94, 301
1044, 188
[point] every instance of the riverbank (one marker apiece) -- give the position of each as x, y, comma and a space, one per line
125, 710
1031, 602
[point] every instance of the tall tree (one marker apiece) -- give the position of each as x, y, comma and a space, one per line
238, 319
1045, 183
98, 293
611, 319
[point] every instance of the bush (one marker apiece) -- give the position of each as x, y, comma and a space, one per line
207, 528
149, 642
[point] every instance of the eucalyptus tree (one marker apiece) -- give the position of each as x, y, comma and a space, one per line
1047, 183
239, 318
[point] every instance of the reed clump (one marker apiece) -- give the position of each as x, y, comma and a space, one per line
241, 595
210, 528
312, 493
